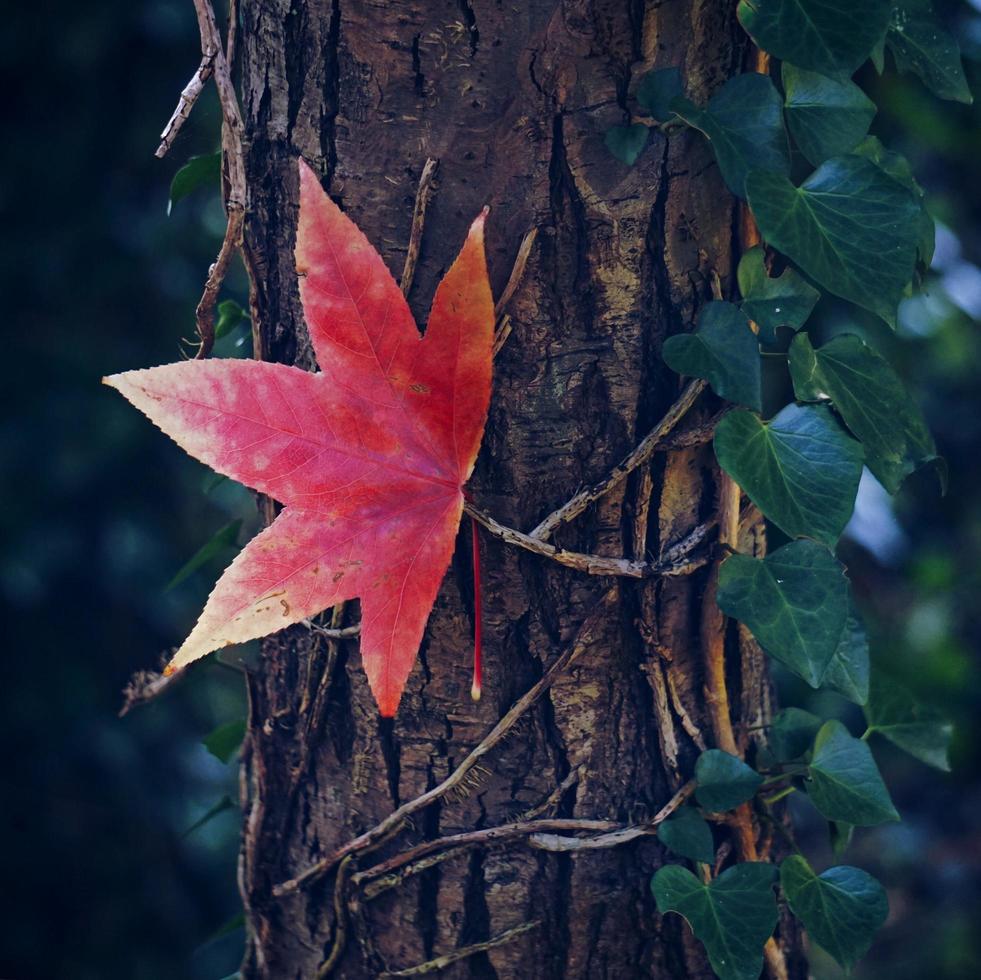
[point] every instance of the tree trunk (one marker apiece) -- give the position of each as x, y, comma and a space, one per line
513, 99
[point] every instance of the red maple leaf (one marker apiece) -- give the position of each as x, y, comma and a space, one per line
369, 456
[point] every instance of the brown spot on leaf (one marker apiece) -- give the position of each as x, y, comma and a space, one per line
286, 607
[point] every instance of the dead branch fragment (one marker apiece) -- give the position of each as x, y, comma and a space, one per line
441, 962
423, 196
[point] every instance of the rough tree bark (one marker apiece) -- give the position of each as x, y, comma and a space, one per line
513, 98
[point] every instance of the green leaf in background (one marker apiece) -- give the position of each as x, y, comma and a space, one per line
222, 540
833, 37
198, 172
826, 117
840, 835
724, 351
770, 302
845, 783
841, 909
723, 781
848, 672
225, 803
230, 315
744, 123
657, 89
897, 166
894, 713
687, 834
792, 733
626, 143
871, 399
849, 226
794, 601
225, 740
801, 469
920, 45
732, 916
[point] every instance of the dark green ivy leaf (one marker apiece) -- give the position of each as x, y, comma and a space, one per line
225, 740
732, 916
848, 672
844, 782
872, 400
724, 351
801, 469
826, 117
687, 834
770, 302
840, 835
832, 37
794, 601
744, 123
841, 908
849, 226
921, 731
223, 539
792, 733
198, 172
897, 166
657, 89
723, 781
626, 143
920, 45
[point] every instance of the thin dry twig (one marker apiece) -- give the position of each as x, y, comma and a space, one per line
517, 272
340, 920
680, 561
185, 102
424, 194
614, 838
577, 504
441, 962
395, 820
144, 686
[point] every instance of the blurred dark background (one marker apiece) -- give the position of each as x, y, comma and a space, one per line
104, 872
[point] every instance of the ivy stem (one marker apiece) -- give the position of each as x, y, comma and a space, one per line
786, 791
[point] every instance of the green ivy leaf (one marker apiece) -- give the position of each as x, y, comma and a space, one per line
848, 672
894, 713
782, 301
844, 782
849, 226
829, 36
723, 781
841, 909
724, 351
744, 123
200, 171
920, 45
657, 89
794, 601
230, 315
732, 916
688, 835
792, 733
840, 835
626, 143
897, 166
225, 740
826, 117
223, 539
801, 469
871, 399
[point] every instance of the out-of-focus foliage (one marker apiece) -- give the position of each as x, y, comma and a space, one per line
98, 514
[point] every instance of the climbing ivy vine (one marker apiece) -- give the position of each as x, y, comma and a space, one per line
838, 213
